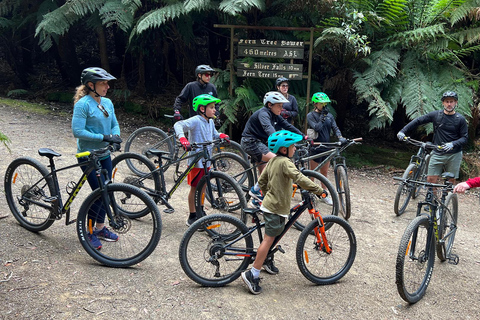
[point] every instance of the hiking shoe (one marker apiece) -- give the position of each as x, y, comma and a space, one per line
105, 235
328, 200
256, 195
94, 241
251, 282
270, 267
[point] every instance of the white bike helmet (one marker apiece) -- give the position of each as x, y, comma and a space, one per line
274, 97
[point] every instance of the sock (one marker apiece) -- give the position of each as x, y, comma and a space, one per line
256, 187
255, 272
193, 215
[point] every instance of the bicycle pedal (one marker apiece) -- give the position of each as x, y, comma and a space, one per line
169, 210
279, 248
453, 259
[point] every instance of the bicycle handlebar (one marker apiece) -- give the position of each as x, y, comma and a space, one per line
447, 185
426, 145
96, 152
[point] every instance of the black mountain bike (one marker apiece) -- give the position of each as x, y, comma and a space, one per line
426, 234
415, 171
34, 197
216, 192
216, 249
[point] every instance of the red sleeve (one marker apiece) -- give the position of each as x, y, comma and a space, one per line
474, 182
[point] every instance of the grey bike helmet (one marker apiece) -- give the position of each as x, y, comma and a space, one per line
450, 94
203, 68
94, 74
274, 97
279, 81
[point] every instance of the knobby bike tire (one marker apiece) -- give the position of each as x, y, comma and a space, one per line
228, 197
447, 227
137, 238
404, 190
318, 204
143, 139
149, 181
205, 255
315, 263
21, 174
422, 176
232, 147
236, 167
343, 190
414, 266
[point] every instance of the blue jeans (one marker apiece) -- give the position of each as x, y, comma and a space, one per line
97, 215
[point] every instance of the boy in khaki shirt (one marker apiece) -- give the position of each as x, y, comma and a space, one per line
276, 184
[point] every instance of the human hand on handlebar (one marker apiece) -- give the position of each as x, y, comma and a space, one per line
225, 137
185, 144
177, 115
401, 136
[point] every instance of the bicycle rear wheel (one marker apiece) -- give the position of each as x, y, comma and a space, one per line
405, 190
232, 147
319, 204
315, 263
143, 139
137, 238
447, 227
343, 190
214, 250
226, 195
24, 188
415, 260
148, 181
235, 166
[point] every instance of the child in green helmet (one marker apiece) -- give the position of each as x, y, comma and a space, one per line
200, 128
276, 184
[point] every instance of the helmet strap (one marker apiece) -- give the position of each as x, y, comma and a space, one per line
94, 90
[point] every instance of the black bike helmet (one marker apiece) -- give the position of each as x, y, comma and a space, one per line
450, 94
203, 68
94, 75
279, 81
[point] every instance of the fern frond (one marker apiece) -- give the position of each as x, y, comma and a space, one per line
156, 18
191, 5
235, 7
464, 10
468, 35
418, 35
8, 6
5, 23
383, 64
393, 11
115, 12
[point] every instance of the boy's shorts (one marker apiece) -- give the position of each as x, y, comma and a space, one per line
254, 148
195, 175
274, 224
440, 163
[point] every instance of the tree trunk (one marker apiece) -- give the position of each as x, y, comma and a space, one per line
102, 46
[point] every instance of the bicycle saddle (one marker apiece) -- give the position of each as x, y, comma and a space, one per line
49, 153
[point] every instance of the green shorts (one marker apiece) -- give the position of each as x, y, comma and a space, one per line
274, 224
440, 163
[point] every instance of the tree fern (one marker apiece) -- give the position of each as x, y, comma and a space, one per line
234, 7
157, 17
464, 10
119, 12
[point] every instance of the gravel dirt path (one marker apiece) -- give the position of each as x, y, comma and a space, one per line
49, 276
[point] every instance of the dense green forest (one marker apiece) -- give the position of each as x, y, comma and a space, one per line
382, 62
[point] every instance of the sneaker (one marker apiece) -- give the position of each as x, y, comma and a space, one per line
251, 282
257, 204
328, 200
94, 241
106, 235
190, 221
257, 195
270, 267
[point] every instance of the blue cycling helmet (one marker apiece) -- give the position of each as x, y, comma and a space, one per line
282, 138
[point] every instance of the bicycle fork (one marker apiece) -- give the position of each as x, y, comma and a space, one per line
322, 242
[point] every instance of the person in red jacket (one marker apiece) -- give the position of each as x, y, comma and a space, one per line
470, 183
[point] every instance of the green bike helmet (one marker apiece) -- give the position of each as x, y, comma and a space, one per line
320, 97
282, 138
203, 100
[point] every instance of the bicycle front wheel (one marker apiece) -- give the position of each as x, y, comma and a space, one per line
148, 181
422, 176
415, 260
137, 238
236, 167
232, 147
215, 250
217, 192
320, 205
405, 190
146, 138
447, 227
315, 263
25, 191
343, 190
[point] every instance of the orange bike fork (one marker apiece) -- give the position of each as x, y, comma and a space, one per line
320, 232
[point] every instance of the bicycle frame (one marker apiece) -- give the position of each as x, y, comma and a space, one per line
306, 204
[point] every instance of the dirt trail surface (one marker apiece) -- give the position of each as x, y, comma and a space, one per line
49, 276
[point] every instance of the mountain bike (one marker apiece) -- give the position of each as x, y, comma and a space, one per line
216, 192
146, 138
216, 249
339, 165
427, 233
34, 197
415, 171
